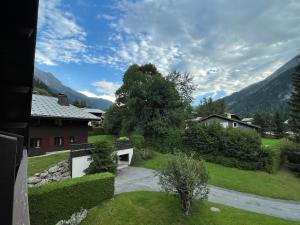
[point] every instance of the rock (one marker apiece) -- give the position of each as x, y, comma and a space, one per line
214, 209
56, 173
43, 175
34, 180
54, 169
43, 181
66, 174
75, 219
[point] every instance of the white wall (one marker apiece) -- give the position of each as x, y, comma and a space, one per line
128, 151
224, 124
79, 164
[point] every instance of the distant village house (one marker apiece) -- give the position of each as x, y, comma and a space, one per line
229, 121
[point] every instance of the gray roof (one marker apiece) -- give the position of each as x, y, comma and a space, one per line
93, 110
44, 106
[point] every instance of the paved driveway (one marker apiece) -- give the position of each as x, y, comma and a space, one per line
140, 179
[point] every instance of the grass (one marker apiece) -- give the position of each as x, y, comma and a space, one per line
271, 142
156, 208
101, 138
282, 185
39, 164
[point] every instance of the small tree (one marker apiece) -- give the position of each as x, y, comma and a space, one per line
185, 177
103, 159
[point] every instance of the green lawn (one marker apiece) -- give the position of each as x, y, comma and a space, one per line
96, 138
282, 185
39, 164
156, 208
271, 142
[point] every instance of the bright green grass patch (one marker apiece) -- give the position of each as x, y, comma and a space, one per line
39, 164
155, 208
271, 142
101, 138
282, 185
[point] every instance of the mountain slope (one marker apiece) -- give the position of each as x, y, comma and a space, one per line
268, 95
55, 86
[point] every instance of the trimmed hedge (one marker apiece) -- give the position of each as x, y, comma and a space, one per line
231, 147
53, 202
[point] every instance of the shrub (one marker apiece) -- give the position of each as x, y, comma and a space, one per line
291, 151
169, 142
138, 140
56, 201
185, 177
103, 159
141, 154
231, 147
272, 159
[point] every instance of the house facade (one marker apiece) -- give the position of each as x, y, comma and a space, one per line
229, 121
55, 124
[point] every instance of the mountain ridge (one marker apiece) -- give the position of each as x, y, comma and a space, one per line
268, 95
56, 86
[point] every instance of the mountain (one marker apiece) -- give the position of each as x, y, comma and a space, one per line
54, 86
268, 95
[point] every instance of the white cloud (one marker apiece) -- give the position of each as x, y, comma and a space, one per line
93, 95
225, 45
104, 89
60, 38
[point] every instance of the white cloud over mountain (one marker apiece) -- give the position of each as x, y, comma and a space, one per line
225, 45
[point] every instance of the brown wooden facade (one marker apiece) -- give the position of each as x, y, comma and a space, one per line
56, 134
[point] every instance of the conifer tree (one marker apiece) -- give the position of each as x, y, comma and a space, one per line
295, 105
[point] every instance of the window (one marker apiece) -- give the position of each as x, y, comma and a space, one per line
35, 142
72, 139
58, 141
58, 122
224, 124
235, 124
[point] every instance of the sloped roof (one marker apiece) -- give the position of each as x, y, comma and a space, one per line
229, 119
48, 107
93, 110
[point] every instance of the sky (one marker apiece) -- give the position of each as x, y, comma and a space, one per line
225, 45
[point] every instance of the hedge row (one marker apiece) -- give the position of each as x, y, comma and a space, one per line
231, 147
51, 203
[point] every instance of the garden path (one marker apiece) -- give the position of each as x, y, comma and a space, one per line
139, 179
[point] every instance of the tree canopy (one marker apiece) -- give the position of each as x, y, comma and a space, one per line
149, 102
208, 107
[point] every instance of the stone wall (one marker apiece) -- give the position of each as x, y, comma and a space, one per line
59, 172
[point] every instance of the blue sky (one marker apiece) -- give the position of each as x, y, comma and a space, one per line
224, 45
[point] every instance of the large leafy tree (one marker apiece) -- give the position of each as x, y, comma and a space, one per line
150, 102
295, 105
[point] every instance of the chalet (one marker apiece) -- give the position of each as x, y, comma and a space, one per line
97, 112
229, 120
55, 124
